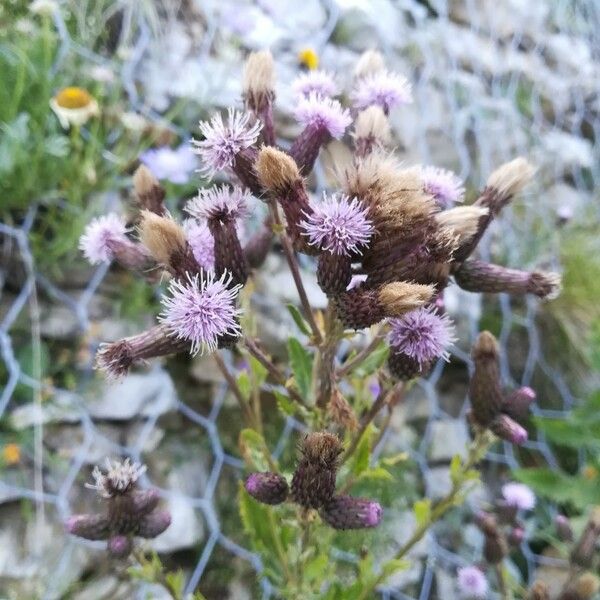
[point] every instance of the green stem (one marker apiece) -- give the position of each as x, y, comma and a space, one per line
357, 360
477, 450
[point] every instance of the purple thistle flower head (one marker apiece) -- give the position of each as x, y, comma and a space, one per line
320, 83
95, 243
221, 203
472, 583
201, 241
383, 89
422, 334
323, 113
338, 225
518, 495
443, 185
224, 140
175, 165
201, 310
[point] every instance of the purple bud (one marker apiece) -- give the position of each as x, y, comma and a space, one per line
346, 512
516, 536
144, 501
119, 546
508, 429
90, 527
154, 523
564, 531
516, 405
268, 488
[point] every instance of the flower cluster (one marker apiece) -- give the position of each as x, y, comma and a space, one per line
313, 486
130, 512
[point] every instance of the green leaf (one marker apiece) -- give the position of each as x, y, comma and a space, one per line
374, 361
422, 511
255, 520
254, 449
316, 567
299, 319
258, 371
455, 468
244, 384
394, 566
361, 456
393, 460
377, 473
175, 580
301, 362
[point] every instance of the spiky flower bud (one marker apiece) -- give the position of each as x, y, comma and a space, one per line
259, 90
508, 429
479, 276
382, 88
278, 173
564, 531
166, 241
371, 131
516, 536
227, 145
445, 186
149, 194
584, 551
105, 239
313, 483
405, 368
346, 512
201, 310
334, 273
338, 225
130, 511
117, 358
320, 83
268, 488
323, 119
362, 307
222, 207
472, 583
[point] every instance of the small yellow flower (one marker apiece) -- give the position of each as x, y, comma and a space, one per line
309, 58
11, 453
590, 472
74, 106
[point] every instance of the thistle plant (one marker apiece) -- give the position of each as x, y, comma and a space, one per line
384, 245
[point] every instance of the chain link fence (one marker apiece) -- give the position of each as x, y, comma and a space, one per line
479, 64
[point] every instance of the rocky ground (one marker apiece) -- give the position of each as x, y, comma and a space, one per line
491, 81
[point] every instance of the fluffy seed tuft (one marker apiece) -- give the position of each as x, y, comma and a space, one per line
276, 170
510, 178
162, 236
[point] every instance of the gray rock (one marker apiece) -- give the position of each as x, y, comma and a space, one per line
449, 437
137, 394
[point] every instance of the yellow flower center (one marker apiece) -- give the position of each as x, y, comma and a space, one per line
11, 453
73, 97
309, 58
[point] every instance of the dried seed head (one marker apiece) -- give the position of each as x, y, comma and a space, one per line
399, 297
539, 591
372, 124
463, 220
144, 181
118, 478
369, 62
485, 347
276, 170
162, 236
511, 178
586, 586
545, 285
341, 412
259, 80
321, 447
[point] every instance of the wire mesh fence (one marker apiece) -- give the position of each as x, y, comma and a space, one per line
473, 64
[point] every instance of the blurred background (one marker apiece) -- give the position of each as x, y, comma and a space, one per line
491, 80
